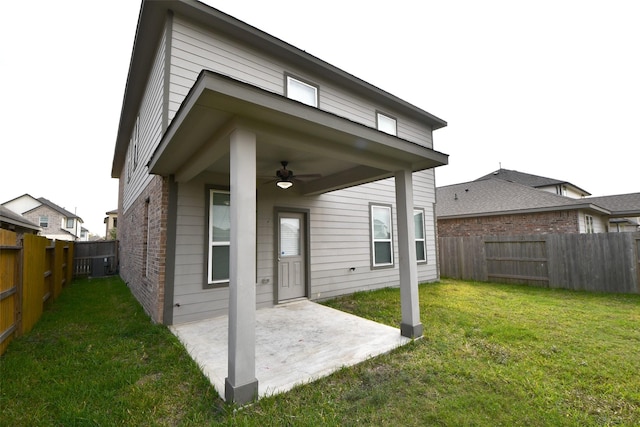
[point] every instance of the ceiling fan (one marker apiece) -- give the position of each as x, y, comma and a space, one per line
286, 177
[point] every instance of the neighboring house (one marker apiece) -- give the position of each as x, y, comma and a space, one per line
523, 204
111, 225
213, 110
550, 185
56, 223
625, 211
10, 220
84, 235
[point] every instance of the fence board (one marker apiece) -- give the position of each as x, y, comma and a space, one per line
34, 248
463, 257
33, 270
517, 260
49, 271
9, 293
607, 262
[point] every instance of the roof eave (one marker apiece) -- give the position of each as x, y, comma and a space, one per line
588, 206
243, 100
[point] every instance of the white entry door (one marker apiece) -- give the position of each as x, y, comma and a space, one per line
291, 256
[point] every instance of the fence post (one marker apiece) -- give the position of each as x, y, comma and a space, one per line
59, 262
69, 261
33, 280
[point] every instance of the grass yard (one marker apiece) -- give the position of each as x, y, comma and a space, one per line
491, 355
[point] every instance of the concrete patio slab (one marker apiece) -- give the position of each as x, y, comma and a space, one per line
296, 343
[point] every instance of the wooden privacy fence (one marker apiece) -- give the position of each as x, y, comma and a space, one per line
33, 270
95, 259
608, 262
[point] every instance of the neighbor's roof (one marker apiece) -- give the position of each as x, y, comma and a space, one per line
57, 208
152, 21
16, 198
11, 217
490, 197
619, 204
528, 179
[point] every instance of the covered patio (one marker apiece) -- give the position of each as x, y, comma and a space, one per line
236, 132
296, 343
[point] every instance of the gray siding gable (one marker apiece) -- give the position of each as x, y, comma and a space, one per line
151, 24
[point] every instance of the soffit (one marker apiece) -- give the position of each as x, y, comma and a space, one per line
343, 152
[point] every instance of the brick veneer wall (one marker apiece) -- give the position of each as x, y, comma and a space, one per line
563, 222
142, 255
55, 220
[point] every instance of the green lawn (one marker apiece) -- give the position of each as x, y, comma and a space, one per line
491, 355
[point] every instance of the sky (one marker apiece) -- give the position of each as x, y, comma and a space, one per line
550, 88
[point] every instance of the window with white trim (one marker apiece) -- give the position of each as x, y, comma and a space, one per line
381, 236
421, 246
588, 222
304, 92
69, 223
219, 238
136, 137
387, 124
44, 221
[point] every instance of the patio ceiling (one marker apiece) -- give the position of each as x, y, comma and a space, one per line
341, 152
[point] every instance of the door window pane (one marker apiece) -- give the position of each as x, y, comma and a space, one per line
289, 236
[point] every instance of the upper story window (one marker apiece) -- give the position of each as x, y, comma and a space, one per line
136, 141
387, 124
44, 221
69, 223
304, 92
381, 236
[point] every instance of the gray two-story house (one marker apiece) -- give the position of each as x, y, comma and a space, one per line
252, 173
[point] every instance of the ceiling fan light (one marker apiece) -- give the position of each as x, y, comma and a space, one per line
284, 184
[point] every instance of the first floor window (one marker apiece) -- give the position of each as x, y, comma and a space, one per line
421, 248
44, 221
219, 237
381, 236
588, 221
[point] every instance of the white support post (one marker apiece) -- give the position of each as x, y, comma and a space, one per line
410, 325
241, 386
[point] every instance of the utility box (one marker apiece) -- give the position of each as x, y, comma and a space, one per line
99, 267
